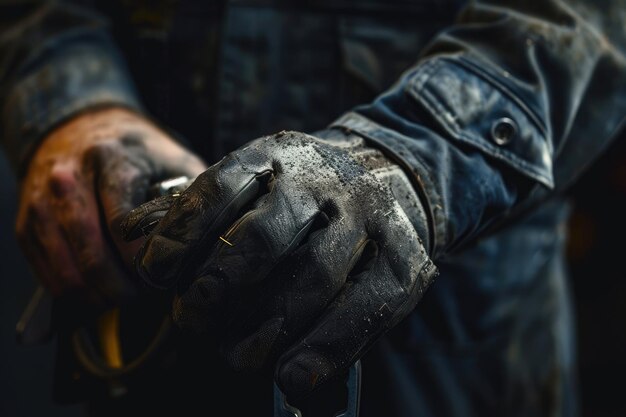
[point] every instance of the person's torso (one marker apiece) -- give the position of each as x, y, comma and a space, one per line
224, 73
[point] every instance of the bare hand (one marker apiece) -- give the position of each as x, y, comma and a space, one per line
83, 179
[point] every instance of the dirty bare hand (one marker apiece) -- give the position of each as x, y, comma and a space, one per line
82, 180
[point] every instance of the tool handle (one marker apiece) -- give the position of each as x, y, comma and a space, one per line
283, 409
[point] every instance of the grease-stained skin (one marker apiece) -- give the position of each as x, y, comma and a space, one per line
84, 178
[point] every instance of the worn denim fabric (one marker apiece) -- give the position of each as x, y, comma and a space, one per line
493, 107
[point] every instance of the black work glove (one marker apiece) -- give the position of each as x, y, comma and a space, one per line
300, 250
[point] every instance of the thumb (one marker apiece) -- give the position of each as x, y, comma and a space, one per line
122, 182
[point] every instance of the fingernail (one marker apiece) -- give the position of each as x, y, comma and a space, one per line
303, 373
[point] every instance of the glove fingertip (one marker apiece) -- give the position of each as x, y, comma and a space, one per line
301, 374
140, 221
160, 261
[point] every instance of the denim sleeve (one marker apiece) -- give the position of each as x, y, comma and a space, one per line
56, 60
502, 111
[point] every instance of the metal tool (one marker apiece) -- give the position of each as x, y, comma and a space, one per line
283, 409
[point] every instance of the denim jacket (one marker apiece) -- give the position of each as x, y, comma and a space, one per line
492, 107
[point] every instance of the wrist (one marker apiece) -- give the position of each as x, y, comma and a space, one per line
107, 121
96, 125
391, 169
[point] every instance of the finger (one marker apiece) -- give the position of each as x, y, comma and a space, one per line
245, 254
200, 215
46, 249
140, 221
256, 242
301, 289
268, 237
125, 172
77, 214
54, 263
201, 309
121, 178
97, 263
367, 307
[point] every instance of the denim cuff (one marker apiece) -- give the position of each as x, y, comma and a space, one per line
61, 83
432, 222
476, 107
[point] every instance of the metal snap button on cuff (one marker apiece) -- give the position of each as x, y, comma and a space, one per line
503, 131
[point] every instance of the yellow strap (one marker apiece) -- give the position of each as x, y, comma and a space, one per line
109, 333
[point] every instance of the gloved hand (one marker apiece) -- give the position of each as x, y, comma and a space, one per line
298, 249
83, 179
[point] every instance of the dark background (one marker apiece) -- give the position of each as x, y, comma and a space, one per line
596, 254
598, 267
